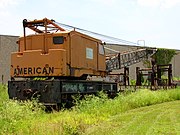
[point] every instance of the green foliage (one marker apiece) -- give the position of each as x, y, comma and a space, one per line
147, 63
3, 93
132, 82
70, 129
158, 119
176, 78
164, 56
15, 112
39, 78
91, 102
28, 117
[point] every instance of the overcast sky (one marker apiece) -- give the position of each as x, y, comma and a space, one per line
157, 22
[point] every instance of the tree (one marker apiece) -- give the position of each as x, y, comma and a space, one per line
164, 56
161, 57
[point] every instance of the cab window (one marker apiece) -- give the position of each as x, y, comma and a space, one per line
101, 49
58, 40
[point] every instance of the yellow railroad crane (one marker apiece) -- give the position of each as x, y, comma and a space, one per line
65, 59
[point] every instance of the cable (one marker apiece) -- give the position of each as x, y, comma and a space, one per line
97, 34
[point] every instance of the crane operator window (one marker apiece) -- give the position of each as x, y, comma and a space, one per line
58, 40
101, 49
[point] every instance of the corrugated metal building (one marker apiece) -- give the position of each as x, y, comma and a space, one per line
8, 45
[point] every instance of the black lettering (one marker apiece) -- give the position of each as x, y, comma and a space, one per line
51, 70
20, 71
29, 70
34, 70
25, 71
15, 71
38, 70
44, 71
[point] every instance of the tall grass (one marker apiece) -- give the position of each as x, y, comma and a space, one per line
98, 109
13, 113
3, 93
125, 101
28, 117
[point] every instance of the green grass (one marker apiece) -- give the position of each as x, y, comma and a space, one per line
93, 115
14, 114
156, 119
176, 78
3, 93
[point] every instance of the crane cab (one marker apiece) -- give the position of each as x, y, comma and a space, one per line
59, 53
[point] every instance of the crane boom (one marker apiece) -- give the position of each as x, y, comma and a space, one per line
121, 60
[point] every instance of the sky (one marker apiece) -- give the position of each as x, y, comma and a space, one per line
154, 23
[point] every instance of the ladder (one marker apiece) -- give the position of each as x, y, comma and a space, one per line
125, 59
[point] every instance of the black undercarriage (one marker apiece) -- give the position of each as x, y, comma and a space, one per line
57, 92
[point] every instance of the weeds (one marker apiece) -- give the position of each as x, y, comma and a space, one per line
28, 117
3, 93
13, 113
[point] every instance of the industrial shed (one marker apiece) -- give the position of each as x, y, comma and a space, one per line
7, 45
